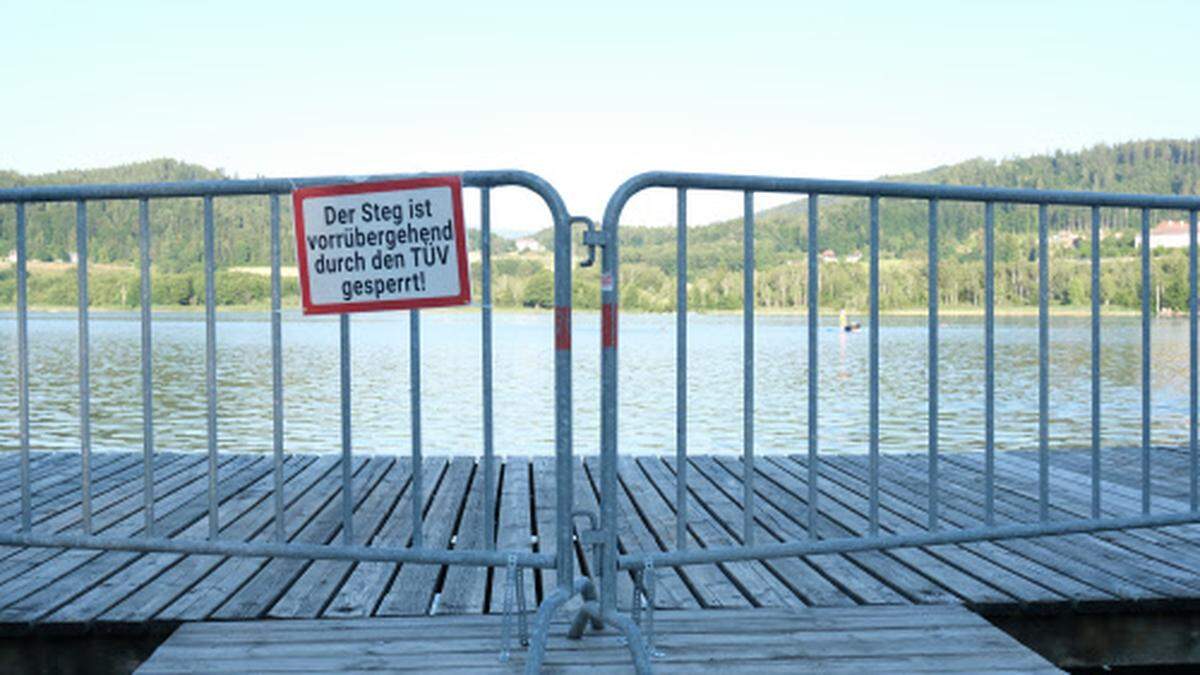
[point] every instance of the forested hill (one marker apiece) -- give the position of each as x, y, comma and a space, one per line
1156, 166
242, 237
1161, 166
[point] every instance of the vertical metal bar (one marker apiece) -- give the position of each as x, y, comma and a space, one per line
1095, 361
414, 376
23, 370
147, 370
989, 352
1043, 365
1193, 357
681, 398
347, 450
814, 289
933, 364
210, 361
85, 388
276, 373
748, 368
564, 464
1146, 360
489, 460
873, 422
609, 297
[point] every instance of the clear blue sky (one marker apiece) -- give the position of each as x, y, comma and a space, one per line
587, 94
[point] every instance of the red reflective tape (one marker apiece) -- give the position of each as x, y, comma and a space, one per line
562, 328
608, 325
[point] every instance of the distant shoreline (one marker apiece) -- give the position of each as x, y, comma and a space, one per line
854, 314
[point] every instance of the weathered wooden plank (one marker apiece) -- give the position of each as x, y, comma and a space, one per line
464, 589
108, 592
752, 578
513, 531
206, 595
956, 561
543, 484
63, 514
943, 639
638, 498
311, 592
274, 578
897, 484
44, 566
784, 489
796, 573
1059, 552
587, 496
1071, 494
160, 591
852, 579
56, 582
1135, 555
411, 592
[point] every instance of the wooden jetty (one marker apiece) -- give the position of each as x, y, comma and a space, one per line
87, 591
896, 639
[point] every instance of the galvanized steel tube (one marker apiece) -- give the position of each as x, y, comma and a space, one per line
23, 369
147, 369
609, 297
873, 421
1043, 365
85, 388
414, 376
347, 449
989, 358
1193, 357
932, 510
210, 361
748, 368
1095, 362
814, 324
489, 460
276, 375
681, 397
564, 466
1146, 290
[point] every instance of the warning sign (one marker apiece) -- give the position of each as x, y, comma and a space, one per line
390, 245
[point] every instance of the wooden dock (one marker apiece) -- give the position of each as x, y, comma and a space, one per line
903, 639
71, 590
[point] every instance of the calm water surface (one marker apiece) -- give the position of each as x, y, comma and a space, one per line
524, 382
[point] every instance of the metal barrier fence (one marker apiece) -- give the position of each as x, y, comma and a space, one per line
148, 539
642, 563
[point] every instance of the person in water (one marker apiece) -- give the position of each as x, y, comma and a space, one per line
845, 323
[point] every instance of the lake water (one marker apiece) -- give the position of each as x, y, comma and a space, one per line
524, 382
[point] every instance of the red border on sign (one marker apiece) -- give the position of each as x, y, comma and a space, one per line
460, 234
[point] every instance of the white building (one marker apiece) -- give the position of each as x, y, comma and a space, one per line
529, 245
1167, 234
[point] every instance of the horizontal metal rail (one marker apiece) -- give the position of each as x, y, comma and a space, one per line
373, 553
718, 554
934, 531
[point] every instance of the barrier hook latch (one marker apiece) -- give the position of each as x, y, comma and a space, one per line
592, 238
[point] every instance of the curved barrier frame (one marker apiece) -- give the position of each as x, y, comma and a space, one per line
27, 534
644, 562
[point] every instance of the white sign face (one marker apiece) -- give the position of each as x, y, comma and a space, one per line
374, 246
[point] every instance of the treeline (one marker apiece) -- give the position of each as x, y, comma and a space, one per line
648, 254
528, 282
1160, 166
121, 288
242, 235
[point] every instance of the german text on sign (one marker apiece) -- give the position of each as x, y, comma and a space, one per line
388, 245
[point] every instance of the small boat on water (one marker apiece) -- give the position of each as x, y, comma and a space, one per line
847, 325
